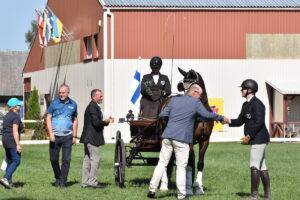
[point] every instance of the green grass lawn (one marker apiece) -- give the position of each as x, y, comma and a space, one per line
226, 175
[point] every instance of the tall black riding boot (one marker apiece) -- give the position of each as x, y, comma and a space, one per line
265, 179
255, 178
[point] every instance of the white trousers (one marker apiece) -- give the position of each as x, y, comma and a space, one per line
258, 156
181, 151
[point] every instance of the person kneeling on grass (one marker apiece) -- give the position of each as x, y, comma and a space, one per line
11, 140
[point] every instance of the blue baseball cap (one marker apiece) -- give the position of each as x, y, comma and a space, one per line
12, 102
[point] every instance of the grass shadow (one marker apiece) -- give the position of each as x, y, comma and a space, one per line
145, 181
140, 181
243, 194
18, 184
166, 194
18, 198
69, 183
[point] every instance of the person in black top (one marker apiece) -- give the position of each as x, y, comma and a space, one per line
154, 88
11, 140
253, 117
92, 138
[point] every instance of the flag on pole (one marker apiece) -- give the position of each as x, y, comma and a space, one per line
40, 24
57, 29
135, 87
45, 17
49, 27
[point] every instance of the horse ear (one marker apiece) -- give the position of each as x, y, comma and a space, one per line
182, 71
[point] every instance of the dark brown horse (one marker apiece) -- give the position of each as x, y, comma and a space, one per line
203, 128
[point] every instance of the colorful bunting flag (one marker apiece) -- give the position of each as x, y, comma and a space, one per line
40, 24
49, 27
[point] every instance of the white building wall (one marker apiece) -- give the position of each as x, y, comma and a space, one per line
81, 78
222, 78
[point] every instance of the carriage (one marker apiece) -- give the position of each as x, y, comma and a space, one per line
145, 137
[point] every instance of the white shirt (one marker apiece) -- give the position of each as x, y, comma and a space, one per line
155, 78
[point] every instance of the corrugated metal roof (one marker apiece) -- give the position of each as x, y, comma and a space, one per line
11, 65
286, 86
204, 3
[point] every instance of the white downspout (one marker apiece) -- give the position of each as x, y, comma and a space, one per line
108, 69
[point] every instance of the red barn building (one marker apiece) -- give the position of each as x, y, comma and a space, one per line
225, 41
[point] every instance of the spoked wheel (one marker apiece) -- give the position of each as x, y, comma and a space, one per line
120, 161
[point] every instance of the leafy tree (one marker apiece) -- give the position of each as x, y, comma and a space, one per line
30, 34
33, 106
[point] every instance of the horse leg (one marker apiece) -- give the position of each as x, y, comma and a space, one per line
200, 165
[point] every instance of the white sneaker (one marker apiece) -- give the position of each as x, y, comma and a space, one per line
5, 183
199, 190
163, 187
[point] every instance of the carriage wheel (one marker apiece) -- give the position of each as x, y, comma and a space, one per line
120, 161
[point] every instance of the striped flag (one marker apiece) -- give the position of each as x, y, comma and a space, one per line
40, 23
135, 90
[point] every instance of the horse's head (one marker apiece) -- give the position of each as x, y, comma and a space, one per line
189, 78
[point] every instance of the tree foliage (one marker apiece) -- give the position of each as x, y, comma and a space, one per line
33, 106
33, 111
30, 34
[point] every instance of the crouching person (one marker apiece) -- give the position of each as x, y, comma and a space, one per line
92, 138
182, 111
11, 140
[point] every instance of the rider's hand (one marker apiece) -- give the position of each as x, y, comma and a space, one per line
246, 140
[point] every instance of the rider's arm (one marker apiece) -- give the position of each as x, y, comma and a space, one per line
145, 88
238, 121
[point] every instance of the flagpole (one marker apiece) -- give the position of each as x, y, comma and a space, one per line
173, 40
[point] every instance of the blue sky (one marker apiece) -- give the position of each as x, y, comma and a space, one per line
15, 18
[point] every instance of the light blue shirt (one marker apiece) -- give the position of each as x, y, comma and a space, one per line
63, 114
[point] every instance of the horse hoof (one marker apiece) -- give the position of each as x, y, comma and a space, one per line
199, 191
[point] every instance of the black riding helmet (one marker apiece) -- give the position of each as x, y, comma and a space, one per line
155, 62
250, 84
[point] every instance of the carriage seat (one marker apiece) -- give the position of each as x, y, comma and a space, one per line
145, 122
147, 128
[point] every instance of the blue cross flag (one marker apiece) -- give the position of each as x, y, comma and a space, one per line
136, 89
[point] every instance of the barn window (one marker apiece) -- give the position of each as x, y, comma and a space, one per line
95, 47
88, 42
91, 47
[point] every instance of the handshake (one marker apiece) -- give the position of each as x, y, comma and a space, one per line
226, 120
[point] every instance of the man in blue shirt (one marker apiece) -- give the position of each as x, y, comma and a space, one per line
62, 126
181, 111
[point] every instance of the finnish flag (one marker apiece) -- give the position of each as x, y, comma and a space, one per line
135, 91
